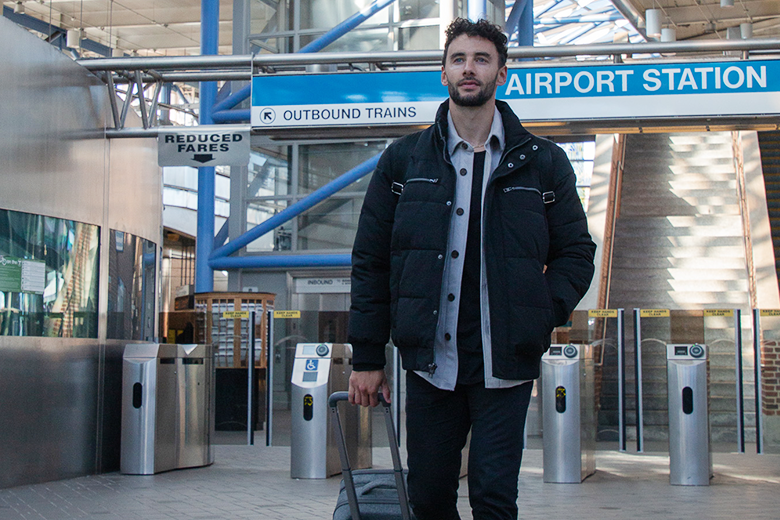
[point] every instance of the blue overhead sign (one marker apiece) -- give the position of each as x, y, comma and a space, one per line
610, 91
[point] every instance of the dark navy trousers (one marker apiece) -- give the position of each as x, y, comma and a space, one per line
437, 426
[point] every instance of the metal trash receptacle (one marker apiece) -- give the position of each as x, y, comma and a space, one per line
690, 456
319, 369
196, 405
149, 388
568, 414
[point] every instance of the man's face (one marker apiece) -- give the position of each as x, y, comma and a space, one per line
471, 71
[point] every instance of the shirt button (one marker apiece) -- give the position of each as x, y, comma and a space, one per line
464, 145
447, 336
451, 297
459, 211
455, 254
522, 157
463, 171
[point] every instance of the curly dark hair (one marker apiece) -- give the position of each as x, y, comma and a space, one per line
483, 29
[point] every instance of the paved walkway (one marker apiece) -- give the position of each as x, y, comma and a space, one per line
254, 482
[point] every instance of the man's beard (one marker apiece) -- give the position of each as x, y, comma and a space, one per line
484, 95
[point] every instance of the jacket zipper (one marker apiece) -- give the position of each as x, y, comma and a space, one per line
421, 179
523, 188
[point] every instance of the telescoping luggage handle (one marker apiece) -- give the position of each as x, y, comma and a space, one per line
346, 469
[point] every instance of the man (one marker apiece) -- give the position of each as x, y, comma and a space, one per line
472, 246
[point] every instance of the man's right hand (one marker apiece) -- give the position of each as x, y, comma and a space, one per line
364, 387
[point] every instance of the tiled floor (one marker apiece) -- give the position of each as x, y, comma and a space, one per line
254, 482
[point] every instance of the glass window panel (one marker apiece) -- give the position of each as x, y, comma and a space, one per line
269, 172
48, 276
418, 9
322, 163
358, 40
131, 282
280, 239
418, 38
326, 14
330, 225
270, 16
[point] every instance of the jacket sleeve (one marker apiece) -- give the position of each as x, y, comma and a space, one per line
570, 256
369, 314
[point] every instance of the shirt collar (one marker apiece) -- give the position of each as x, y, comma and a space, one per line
495, 138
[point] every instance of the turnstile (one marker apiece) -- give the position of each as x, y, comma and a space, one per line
568, 414
690, 457
319, 370
167, 407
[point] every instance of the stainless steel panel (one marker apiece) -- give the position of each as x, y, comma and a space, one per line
569, 432
313, 451
690, 458
195, 380
149, 430
48, 409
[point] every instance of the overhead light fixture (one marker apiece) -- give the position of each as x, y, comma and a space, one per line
733, 33
746, 30
653, 19
73, 38
727, 3
19, 8
668, 34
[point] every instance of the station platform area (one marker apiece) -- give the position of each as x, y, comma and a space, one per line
254, 482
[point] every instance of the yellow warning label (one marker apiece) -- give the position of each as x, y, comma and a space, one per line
724, 313
769, 312
235, 314
654, 313
602, 313
284, 315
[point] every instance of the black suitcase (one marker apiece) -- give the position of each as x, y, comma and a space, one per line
369, 494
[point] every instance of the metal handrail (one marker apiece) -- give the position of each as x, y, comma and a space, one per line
242, 63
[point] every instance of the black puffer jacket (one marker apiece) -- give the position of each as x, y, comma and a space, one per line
401, 243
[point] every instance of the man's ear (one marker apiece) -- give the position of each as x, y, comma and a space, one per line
444, 78
502, 75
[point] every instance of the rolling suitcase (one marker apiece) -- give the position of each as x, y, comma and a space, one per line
369, 494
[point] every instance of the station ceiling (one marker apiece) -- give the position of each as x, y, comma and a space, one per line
172, 27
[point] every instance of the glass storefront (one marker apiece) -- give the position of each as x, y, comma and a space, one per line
131, 272
48, 276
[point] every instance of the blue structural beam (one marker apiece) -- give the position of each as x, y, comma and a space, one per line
222, 234
280, 261
293, 211
53, 33
209, 45
521, 21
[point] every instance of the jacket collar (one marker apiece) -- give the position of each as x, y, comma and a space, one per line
514, 132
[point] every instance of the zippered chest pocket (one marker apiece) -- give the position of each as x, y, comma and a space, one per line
416, 188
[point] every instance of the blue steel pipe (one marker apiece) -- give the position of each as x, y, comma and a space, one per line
346, 26
477, 10
233, 99
209, 45
296, 209
280, 261
232, 116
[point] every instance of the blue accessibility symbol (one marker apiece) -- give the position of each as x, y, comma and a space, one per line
311, 364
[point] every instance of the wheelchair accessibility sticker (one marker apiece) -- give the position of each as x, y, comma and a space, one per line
311, 365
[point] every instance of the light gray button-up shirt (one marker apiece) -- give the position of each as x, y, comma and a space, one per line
446, 350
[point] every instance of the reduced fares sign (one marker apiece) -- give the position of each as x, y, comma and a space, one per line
202, 147
610, 91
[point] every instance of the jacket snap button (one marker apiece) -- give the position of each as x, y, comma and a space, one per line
435, 313
441, 256
535, 147
463, 171
511, 165
449, 203
522, 157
